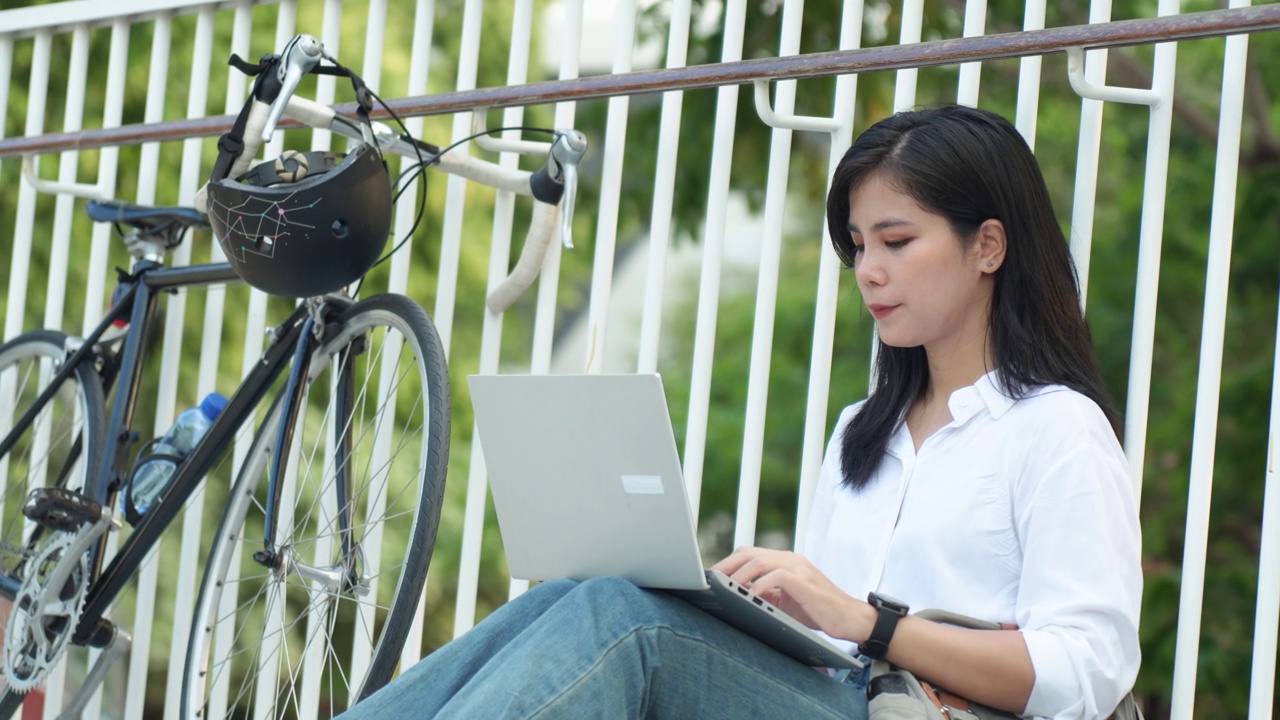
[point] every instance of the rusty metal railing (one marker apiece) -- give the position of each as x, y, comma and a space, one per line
1120, 33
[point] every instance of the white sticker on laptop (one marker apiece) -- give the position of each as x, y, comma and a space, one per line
642, 484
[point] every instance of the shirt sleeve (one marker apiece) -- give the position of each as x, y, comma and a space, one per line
1080, 591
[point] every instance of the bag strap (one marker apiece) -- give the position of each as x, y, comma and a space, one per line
949, 706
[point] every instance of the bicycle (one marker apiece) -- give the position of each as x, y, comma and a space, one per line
355, 389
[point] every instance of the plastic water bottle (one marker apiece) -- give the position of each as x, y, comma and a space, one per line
153, 474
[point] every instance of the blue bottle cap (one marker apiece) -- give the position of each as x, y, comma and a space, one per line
212, 405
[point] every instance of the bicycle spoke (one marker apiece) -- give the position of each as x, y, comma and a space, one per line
311, 643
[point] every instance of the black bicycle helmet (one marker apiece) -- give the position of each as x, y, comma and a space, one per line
305, 224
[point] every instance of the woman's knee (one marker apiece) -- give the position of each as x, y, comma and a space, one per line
611, 593
623, 604
554, 588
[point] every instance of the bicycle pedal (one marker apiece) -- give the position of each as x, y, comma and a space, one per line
61, 509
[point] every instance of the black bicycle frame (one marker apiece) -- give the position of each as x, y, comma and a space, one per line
143, 290
200, 461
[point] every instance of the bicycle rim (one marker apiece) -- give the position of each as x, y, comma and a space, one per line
300, 639
61, 447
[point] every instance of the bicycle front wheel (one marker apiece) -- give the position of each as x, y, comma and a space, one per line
319, 623
60, 446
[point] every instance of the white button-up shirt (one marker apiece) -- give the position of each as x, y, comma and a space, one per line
1018, 511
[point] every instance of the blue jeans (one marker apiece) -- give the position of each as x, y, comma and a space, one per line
607, 649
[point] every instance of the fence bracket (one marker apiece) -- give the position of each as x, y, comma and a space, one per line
31, 172
789, 122
1107, 93
496, 144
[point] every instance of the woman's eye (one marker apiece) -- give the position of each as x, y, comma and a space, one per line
857, 248
896, 244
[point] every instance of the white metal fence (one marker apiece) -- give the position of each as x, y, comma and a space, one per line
640, 297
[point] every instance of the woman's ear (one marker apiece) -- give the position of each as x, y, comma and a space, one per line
990, 245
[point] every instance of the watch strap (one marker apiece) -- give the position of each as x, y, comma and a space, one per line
887, 616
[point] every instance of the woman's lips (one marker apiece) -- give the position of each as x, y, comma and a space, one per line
879, 311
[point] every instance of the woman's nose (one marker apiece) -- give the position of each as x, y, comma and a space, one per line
869, 269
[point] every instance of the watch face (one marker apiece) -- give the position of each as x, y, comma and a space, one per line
880, 600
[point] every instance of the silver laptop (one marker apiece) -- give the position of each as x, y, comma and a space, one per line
586, 482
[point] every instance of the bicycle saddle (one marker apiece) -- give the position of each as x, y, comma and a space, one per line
145, 218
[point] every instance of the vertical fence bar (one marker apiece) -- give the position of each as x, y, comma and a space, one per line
419, 64
406, 209
331, 36
767, 290
56, 280
38, 88
660, 221
544, 323
1029, 77
117, 73
24, 227
60, 252
254, 340
455, 198
904, 96
1082, 209
256, 322
148, 171
68, 163
712, 258
975, 20
108, 163
6, 76
1208, 381
1151, 236
456, 190
1266, 625
206, 382
610, 193
827, 300
153, 111
500, 245
175, 316
361, 652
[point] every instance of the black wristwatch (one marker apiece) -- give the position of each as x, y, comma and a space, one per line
888, 612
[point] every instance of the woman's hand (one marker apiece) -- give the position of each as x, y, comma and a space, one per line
792, 583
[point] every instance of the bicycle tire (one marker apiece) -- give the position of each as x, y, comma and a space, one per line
245, 659
62, 447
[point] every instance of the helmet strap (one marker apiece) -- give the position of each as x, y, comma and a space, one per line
231, 144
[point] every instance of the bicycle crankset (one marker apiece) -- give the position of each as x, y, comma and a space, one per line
43, 618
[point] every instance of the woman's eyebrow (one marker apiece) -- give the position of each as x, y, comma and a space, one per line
882, 225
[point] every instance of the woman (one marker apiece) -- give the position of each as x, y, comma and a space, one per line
982, 475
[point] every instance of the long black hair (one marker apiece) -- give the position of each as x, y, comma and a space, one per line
969, 166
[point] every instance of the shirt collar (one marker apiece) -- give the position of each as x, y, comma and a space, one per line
986, 393
994, 394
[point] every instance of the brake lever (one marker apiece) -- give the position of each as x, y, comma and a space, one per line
567, 149
300, 56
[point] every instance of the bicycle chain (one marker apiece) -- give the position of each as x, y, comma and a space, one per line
18, 550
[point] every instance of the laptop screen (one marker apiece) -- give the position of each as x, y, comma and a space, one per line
586, 479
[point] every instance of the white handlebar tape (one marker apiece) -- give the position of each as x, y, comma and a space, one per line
541, 227
485, 172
